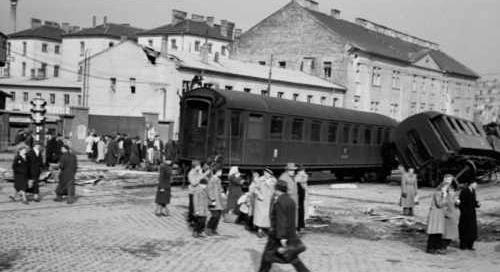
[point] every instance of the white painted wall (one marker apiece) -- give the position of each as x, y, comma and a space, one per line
72, 54
18, 103
34, 57
185, 43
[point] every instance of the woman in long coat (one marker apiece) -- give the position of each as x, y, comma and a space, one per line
451, 215
101, 146
68, 166
408, 191
112, 153
135, 153
163, 192
20, 167
467, 225
263, 194
234, 190
436, 221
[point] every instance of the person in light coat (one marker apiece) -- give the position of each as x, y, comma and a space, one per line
451, 216
215, 194
289, 177
436, 220
263, 193
408, 190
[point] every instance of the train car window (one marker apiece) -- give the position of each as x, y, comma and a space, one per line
355, 134
315, 131
470, 128
387, 135
201, 118
332, 132
417, 146
475, 128
368, 135
379, 136
255, 126
276, 127
459, 124
345, 133
452, 124
297, 129
235, 124
220, 122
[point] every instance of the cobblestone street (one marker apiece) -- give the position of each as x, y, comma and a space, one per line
114, 229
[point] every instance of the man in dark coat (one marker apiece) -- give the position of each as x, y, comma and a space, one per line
127, 148
282, 231
68, 166
20, 169
467, 225
163, 192
35, 162
112, 154
52, 150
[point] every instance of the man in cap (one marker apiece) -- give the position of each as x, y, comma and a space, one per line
289, 177
282, 233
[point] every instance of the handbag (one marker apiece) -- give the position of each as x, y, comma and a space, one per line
293, 249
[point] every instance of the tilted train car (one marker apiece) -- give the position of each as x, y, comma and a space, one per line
253, 131
434, 144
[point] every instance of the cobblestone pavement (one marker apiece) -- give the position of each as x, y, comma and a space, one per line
113, 229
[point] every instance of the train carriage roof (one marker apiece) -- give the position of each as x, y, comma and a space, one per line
260, 103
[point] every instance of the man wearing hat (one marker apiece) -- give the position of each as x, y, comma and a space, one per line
282, 233
289, 177
35, 162
67, 166
467, 224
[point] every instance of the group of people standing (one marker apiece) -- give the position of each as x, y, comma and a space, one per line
274, 207
452, 216
128, 151
28, 165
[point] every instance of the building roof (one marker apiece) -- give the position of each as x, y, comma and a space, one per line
186, 27
262, 103
42, 32
109, 30
379, 44
252, 70
56, 82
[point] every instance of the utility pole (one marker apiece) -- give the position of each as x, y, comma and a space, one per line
270, 76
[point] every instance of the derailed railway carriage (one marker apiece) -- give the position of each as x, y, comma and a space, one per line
253, 131
435, 144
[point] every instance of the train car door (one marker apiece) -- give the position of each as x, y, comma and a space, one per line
235, 137
196, 128
254, 143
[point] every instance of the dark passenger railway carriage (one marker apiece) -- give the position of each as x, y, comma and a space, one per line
253, 131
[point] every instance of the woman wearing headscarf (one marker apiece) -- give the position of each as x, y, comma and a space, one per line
263, 191
451, 215
20, 167
436, 221
234, 190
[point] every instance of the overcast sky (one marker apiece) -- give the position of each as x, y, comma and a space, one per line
465, 29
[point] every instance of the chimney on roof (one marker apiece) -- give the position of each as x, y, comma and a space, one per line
223, 28
105, 21
237, 33
230, 30
197, 18
310, 4
52, 24
210, 21
35, 23
335, 13
65, 27
178, 16
94, 21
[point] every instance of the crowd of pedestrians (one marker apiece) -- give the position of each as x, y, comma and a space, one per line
132, 152
28, 165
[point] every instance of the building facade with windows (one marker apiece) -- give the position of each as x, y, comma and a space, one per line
487, 104
3, 49
189, 35
130, 80
34, 53
385, 70
89, 41
60, 94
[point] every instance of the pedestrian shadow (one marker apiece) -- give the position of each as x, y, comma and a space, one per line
255, 257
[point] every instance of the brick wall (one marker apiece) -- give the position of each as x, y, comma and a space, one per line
291, 34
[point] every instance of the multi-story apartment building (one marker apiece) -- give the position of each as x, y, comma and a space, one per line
189, 35
487, 104
34, 52
385, 70
89, 41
